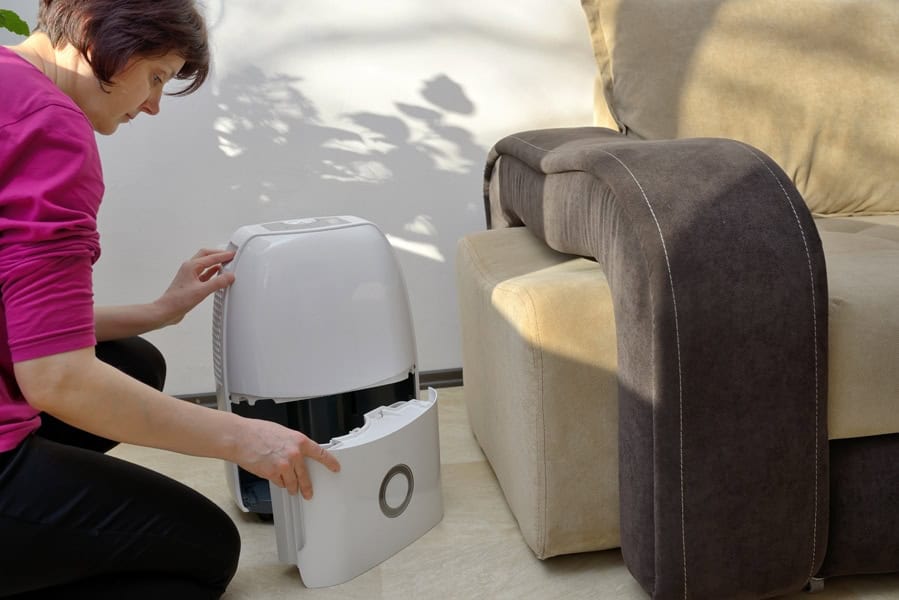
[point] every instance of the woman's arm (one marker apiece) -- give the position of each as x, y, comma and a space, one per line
81, 390
119, 322
194, 281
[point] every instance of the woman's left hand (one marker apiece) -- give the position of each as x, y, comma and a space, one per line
198, 277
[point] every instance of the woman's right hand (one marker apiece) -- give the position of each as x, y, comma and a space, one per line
278, 454
195, 279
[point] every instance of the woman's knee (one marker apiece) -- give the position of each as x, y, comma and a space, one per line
230, 544
222, 551
136, 357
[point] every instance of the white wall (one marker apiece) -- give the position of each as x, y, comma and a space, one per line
382, 109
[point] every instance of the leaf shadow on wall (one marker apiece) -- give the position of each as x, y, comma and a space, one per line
269, 155
411, 173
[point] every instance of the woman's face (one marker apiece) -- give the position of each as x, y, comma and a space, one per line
136, 89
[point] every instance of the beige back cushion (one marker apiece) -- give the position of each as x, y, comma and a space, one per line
813, 83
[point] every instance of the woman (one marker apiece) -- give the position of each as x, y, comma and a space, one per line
73, 522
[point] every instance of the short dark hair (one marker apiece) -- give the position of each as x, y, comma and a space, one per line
108, 33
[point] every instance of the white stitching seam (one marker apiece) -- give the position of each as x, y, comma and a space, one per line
680, 390
547, 150
811, 273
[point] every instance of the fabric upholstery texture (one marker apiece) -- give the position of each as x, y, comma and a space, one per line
863, 515
813, 84
862, 255
717, 278
539, 358
860, 252
540, 364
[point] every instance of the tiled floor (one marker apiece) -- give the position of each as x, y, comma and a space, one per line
475, 552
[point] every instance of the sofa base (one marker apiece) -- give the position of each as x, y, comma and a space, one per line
864, 497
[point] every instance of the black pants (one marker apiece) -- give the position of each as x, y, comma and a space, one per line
75, 523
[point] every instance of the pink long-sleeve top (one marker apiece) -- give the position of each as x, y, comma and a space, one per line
51, 184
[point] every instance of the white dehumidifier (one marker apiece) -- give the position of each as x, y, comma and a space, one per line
316, 334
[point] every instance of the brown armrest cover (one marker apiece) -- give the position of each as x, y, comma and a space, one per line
720, 297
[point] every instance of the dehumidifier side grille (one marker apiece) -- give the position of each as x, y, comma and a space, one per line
218, 351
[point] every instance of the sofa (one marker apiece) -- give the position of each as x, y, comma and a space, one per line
680, 326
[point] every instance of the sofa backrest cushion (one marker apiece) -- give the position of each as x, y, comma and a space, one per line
814, 84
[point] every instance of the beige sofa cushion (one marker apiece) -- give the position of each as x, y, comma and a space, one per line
862, 255
813, 84
539, 360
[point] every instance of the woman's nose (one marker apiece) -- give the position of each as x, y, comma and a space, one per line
151, 104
